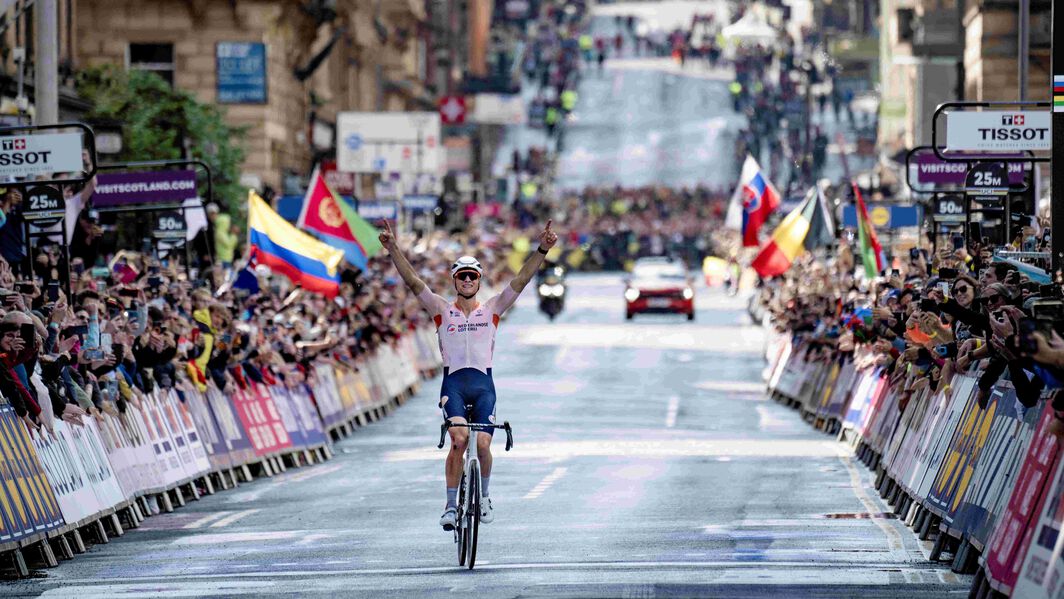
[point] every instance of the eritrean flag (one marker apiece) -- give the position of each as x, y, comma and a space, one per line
806, 227
336, 222
871, 251
307, 262
1058, 93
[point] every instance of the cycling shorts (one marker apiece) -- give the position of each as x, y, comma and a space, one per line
469, 386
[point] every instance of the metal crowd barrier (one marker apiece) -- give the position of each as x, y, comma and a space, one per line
986, 484
97, 480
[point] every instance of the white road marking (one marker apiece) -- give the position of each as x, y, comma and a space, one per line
238, 537
769, 420
206, 520
733, 387
233, 518
282, 480
312, 538
729, 572
894, 541
654, 448
546, 483
670, 416
737, 342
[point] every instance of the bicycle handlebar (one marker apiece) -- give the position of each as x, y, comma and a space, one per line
475, 426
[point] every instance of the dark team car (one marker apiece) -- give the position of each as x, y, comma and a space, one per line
659, 285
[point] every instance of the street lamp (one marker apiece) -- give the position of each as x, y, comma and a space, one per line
108, 133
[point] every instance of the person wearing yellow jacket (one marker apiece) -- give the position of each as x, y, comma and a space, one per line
197, 367
225, 239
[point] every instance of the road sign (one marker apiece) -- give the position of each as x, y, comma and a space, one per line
383, 142
43, 206
949, 209
170, 225
452, 110
987, 182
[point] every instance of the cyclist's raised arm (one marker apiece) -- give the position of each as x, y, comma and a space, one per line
387, 239
547, 239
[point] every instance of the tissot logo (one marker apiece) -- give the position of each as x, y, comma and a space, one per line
1015, 120
14, 144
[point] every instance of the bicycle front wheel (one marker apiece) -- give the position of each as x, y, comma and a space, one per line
461, 531
473, 516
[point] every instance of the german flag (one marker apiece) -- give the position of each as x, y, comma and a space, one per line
808, 226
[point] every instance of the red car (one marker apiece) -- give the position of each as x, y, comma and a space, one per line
659, 285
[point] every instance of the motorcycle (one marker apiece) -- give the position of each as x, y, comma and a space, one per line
552, 291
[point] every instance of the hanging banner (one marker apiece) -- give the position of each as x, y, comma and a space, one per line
209, 434
962, 454
1020, 519
27, 503
261, 420
995, 469
114, 189
236, 437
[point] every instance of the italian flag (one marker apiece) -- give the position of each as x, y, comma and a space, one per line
871, 251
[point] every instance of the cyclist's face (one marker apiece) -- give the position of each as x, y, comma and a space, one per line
467, 282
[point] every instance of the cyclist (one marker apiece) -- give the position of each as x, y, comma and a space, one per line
466, 330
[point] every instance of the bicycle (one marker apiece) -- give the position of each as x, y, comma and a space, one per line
467, 522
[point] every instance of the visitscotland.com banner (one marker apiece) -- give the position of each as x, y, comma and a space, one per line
115, 190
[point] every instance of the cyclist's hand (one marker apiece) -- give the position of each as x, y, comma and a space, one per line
387, 238
547, 238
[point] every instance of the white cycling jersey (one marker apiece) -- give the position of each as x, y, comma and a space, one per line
467, 342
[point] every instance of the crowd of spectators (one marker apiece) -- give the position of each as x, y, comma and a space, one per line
617, 225
934, 317
75, 346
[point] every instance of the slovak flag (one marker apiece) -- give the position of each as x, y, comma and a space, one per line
759, 200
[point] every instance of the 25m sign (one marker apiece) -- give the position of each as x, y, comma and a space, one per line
998, 131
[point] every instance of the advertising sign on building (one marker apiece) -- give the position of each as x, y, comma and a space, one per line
241, 72
338, 181
31, 155
114, 190
388, 142
998, 131
379, 210
499, 109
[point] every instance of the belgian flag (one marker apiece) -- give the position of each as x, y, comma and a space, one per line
808, 226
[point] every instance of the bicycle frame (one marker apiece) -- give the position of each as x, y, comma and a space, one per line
465, 535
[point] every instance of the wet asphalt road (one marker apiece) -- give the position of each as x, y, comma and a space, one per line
647, 463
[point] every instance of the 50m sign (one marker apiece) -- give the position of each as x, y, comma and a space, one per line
31, 155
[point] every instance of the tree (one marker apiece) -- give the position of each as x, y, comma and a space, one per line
158, 121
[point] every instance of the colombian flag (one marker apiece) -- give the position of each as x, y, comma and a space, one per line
806, 227
331, 219
306, 261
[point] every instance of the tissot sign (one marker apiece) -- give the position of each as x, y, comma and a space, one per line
998, 131
29, 155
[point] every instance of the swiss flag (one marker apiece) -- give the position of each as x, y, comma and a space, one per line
452, 110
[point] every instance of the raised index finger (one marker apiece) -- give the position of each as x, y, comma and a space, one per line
549, 221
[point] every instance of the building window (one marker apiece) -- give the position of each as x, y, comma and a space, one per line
157, 58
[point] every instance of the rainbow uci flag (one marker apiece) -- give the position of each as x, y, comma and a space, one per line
1058, 93
307, 262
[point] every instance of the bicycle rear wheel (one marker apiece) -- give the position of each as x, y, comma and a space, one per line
473, 517
461, 531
